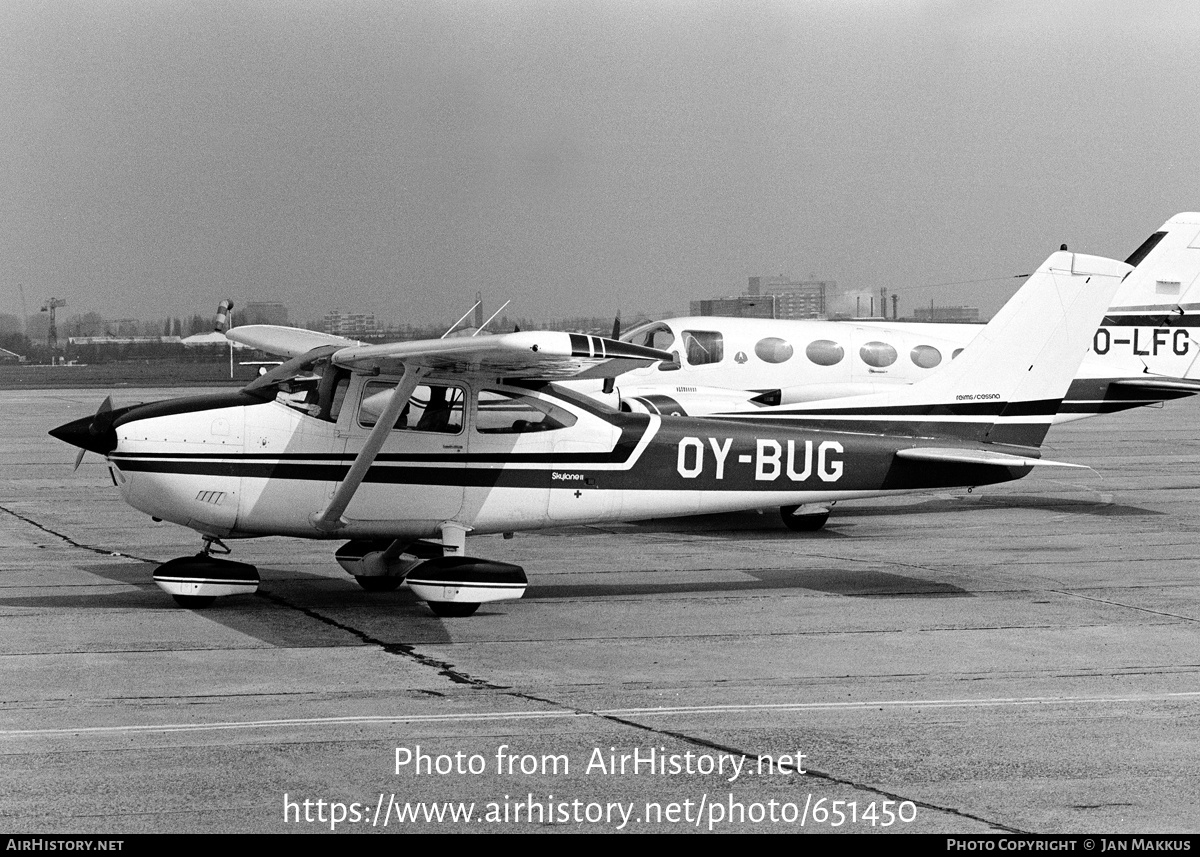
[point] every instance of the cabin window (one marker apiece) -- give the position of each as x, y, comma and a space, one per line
773, 350
926, 356
824, 352
431, 408
500, 412
703, 346
878, 354
957, 351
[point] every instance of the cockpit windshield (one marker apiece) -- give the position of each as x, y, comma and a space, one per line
309, 383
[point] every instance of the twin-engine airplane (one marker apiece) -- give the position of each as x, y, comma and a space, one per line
401, 450
1143, 353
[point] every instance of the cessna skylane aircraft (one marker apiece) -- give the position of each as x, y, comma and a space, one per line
401, 450
1143, 353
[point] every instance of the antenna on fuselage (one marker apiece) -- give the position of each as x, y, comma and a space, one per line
460, 320
492, 316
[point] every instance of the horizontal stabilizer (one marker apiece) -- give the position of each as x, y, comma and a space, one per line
1151, 384
286, 341
952, 455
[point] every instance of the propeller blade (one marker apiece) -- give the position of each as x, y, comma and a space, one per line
84, 433
103, 419
610, 384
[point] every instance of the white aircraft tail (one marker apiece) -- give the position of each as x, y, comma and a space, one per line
1006, 385
1152, 329
1166, 276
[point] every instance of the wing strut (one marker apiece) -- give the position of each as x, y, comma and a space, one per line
330, 518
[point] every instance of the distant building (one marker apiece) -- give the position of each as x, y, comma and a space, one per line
947, 314
351, 325
736, 307
773, 297
794, 298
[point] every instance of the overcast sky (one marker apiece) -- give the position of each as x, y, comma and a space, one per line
577, 157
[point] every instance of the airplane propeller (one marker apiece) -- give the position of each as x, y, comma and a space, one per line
94, 433
101, 423
610, 384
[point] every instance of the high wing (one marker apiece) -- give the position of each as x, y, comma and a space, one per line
285, 341
535, 354
529, 355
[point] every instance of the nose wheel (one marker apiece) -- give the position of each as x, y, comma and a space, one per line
196, 582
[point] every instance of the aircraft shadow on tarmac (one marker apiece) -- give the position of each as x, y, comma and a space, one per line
854, 584
297, 609
290, 609
768, 524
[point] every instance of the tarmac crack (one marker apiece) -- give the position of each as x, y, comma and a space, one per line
808, 772
811, 772
70, 541
444, 668
1134, 607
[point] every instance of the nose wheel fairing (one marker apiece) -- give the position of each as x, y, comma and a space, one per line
196, 581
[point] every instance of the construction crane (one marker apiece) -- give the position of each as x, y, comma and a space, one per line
52, 335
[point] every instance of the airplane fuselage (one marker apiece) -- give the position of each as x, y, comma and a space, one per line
510, 458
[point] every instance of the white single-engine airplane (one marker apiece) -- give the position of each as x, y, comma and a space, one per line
401, 450
1144, 352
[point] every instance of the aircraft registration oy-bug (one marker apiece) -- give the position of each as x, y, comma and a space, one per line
401, 450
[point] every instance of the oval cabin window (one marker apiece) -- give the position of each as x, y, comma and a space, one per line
824, 352
926, 356
957, 351
877, 354
773, 350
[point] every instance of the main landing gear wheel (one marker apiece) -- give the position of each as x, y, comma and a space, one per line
455, 586
377, 583
803, 523
452, 609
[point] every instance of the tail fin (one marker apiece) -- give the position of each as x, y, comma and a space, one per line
1165, 282
1006, 385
